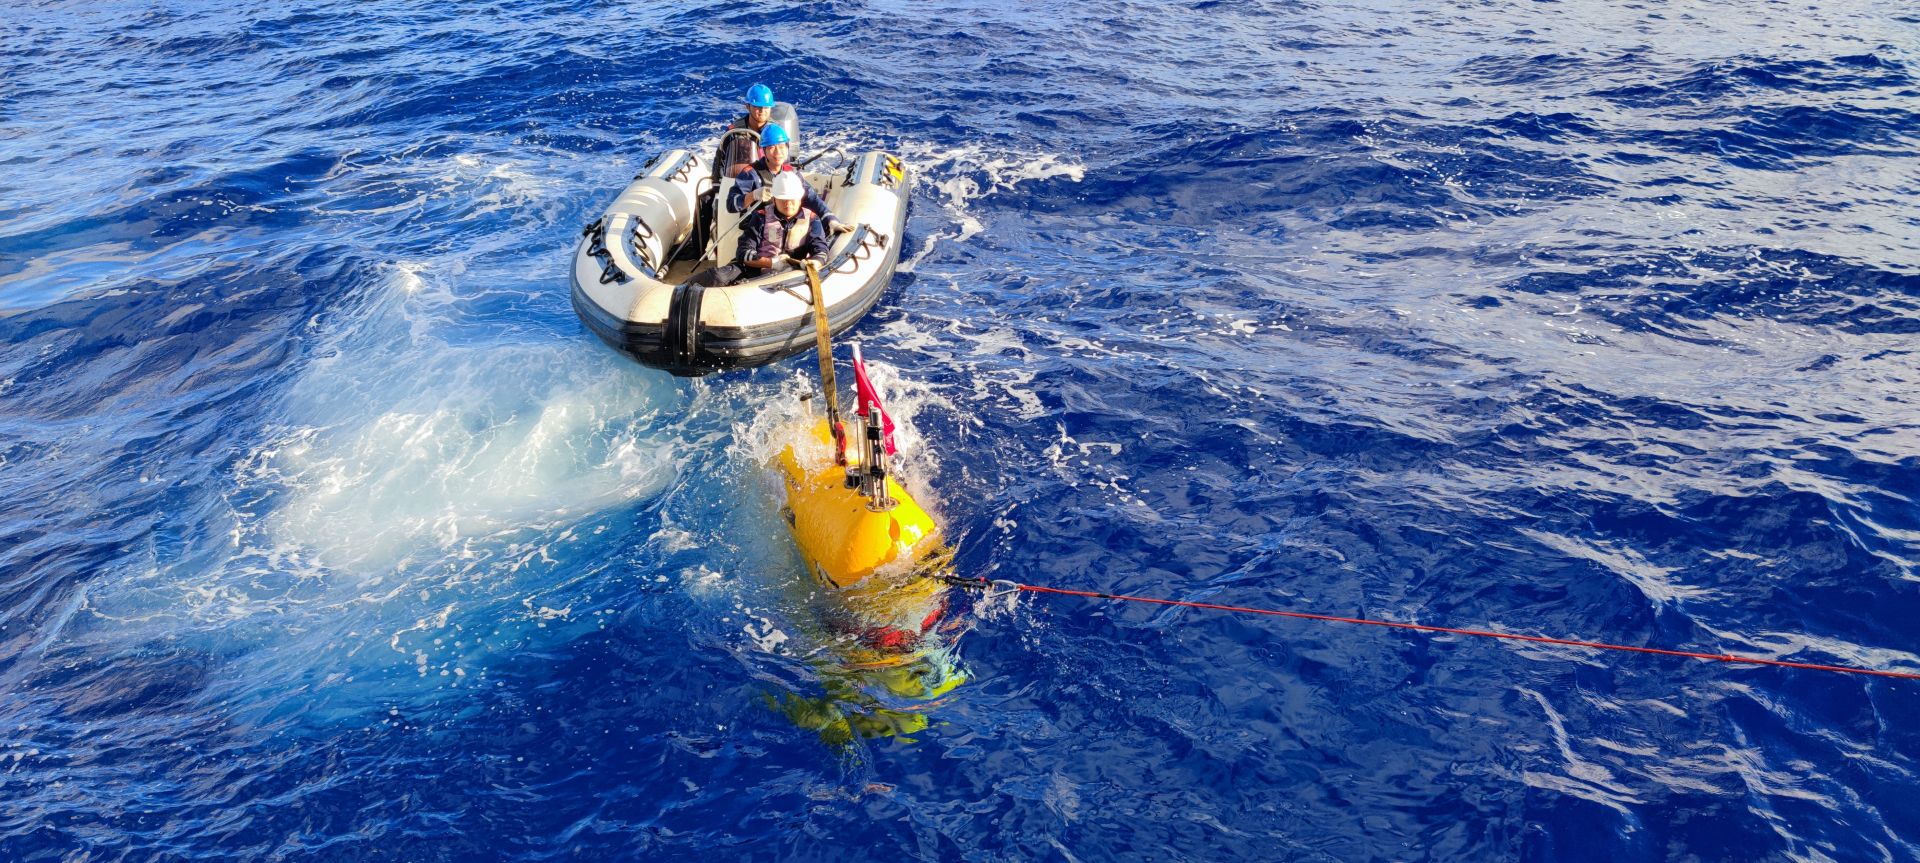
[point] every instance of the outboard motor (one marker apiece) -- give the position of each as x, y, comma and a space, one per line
789, 120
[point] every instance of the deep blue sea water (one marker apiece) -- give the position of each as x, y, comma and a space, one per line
327, 533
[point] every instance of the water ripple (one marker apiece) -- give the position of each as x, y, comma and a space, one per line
328, 534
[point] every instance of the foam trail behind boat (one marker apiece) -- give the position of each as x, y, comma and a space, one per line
410, 508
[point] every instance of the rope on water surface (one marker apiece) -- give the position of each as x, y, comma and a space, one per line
983, 583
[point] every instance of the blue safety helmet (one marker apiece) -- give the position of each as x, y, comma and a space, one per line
772, 135
760, 96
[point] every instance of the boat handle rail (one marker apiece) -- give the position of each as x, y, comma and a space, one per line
857, 249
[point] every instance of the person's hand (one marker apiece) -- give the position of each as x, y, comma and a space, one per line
763, 195
797, 262
839, 227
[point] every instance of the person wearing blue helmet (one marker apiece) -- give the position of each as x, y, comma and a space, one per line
741, 151
754, 187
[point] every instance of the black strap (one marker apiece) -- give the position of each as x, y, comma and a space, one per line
682, 336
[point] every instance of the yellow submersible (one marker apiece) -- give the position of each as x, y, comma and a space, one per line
873, 557
872, 552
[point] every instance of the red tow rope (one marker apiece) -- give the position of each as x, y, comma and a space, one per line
1481, 633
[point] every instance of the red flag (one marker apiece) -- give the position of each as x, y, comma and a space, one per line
870, 397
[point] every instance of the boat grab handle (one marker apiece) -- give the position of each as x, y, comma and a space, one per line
823, 154
857, 249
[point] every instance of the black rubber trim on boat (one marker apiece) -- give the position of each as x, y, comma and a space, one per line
682, 334
672, 172
654, 346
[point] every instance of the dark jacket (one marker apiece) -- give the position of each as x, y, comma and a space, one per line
764, 233
751, 180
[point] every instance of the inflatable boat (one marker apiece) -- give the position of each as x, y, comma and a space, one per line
632, 267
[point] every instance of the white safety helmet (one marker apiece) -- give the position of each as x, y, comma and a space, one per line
787, 187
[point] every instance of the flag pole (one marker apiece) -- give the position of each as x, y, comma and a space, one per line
873, 424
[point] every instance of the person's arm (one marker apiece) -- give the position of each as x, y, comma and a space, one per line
737, 199
814, 249
818, 204
751, 232
817, 242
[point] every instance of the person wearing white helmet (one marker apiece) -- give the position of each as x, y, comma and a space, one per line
774, 238
751, 188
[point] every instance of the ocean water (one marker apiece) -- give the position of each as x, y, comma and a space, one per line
327, 532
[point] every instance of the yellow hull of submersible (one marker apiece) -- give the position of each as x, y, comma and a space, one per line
873, 562
870, 568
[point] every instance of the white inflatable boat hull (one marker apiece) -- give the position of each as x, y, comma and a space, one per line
631, 267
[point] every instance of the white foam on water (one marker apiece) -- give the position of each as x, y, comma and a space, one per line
414, 510
451, 186
964, 174
400, 439
1661, 585
1577, 776
956, 177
